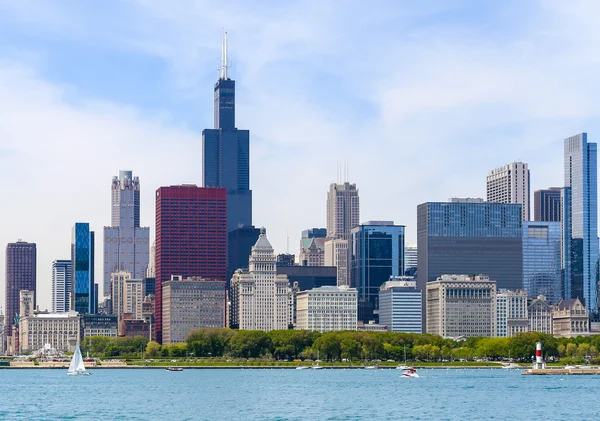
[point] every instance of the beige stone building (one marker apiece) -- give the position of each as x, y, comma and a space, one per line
262, 297
458, 305
127, 295
511, 313
192, 303
337, 253
539, 314
327, 309
312, 252
570, 319
60, 330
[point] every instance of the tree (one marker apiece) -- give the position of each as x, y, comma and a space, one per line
571, 350
351, 348
152, 349
562, 350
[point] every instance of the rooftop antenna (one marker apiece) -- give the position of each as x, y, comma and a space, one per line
287, 251
224, 58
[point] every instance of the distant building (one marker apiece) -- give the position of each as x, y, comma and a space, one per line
149, 286
262, 296
542, 260
579, 200
458, 305
239, 247
510, 184
410, 260
286, 259
371, 326
377, 253
191, 237
315, 233
466, 200
400, 305
312, 251
539, 314
60, 330
98, 325
61, 285
128, 326
309, 277
83, 299
192, 303
570, 319
327, 309
21, 270
126, 243
511, 313
546, 205
337, 254
127, 295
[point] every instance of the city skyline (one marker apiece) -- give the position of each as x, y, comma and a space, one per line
156, 118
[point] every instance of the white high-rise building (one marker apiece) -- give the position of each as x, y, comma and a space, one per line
327, 309
511, 313
342, 210
126, 244
410, 257
400, 305
62, 276
510, 184
127, 295
263, 297
337, 253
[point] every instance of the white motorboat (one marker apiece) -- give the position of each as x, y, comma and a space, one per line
174, 369
77, 367
410, 373
511, 366
317, 367
371, 367
302, 367
403, 367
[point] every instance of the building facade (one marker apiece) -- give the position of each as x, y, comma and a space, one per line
309, 277
126, 244
192, 303
21, 274
98, 325
570, 319
542, 260
312, 251
470, 238
546, 205
60, 330
239, 247
539, 314
83, 298
400, 305
262, 296
458, 305
327, 309
510, 184
337, 253
377, 253
511, 313
62, 276
127, 295
343, 210
580, 221
410, 260
191, 237
226, 152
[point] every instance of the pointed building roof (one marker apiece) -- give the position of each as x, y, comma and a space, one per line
263, 242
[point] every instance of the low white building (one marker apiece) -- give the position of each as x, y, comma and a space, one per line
539, 314
327, 309
400, 305
60, 330
511, 313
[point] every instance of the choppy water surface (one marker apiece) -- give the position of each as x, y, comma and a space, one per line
295, 395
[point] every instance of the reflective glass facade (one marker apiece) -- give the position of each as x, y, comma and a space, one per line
83, 298
377, 254
541, 260
580, 221
470, 238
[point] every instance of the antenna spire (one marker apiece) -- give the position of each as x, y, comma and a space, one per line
224, 58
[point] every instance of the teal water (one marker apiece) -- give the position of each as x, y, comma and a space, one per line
296, 395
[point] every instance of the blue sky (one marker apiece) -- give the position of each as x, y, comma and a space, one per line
421, 99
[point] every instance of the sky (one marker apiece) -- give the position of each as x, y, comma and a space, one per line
418, 99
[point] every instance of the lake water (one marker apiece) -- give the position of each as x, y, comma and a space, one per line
152, 394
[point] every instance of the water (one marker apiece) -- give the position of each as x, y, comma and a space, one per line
145, 394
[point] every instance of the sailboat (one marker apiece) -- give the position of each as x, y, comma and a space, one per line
404, 366
77, 367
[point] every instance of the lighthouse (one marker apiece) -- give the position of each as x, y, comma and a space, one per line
539, 363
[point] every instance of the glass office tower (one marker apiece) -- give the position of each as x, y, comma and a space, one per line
541, 260
83, 297
377, 253
580, 221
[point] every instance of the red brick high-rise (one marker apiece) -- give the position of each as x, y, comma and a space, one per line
191, 237
21, 262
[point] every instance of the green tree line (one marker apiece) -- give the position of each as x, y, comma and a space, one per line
347, 345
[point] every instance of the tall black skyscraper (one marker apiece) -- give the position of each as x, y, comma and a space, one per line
226, 152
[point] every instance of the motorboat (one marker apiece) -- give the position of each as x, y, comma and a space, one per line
174, 369
410, 373
302, 367
511, 366
77, 366
317, 367
371, 367
403, 367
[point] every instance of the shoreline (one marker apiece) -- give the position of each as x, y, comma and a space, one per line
247, 367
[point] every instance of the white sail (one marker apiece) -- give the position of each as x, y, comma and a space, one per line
77, 366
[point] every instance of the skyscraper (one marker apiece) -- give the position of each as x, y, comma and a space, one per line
580, 221
83, 290
510, 184
541, 260
191, 237
62, 275
546, 205
21, 261
126, 244
226, 151
377, 253
239, 247
470, 238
